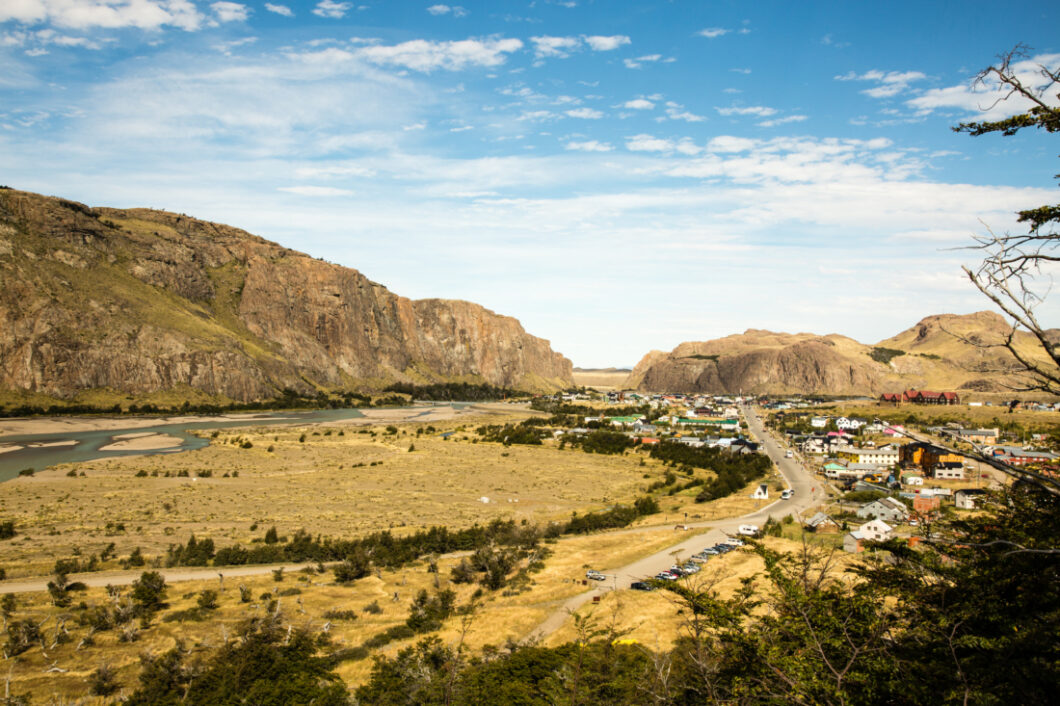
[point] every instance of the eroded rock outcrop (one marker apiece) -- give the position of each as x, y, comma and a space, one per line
139, 301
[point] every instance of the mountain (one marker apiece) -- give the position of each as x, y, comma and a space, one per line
141, 301
939, 352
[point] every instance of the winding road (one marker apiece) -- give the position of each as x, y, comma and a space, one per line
808, 492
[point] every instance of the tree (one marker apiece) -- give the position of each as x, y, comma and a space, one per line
1011, 273
1012, 263
149, 593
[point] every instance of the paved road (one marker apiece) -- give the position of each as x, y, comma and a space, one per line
808, 492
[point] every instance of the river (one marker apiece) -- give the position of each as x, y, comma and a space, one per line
40, 451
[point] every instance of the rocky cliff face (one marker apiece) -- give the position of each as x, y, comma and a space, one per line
140, 301
939, 352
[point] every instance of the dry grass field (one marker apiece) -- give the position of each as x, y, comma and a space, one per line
602, 379
339, 481
656, 619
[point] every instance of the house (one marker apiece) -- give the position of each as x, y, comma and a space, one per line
646, 440
924, 505
622, 421
876, 530
927, 456
894, 398
966, 498
949, 470
884, 508
819, 422
979, 436
852, 542
761, 492
1019, 456
642, 427
881, 457
717, 422
912, 479
822, 524
847, 424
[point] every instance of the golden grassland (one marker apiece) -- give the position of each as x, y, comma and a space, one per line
601, 379
338, 482
656, 619
61, 670
327, 484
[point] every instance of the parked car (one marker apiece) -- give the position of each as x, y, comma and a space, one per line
595, 575
666, 576
690, 568
789, 454
748, 531
787, 494
641, 586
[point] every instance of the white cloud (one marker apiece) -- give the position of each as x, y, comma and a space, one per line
315, 191
728, 143
558, 47
589, 146
712, 32
456, 10
230, 11
585, 113
107, 14
782, 121
638, 104
598, 43
279, 9
676, 111
331, 9
333, 171
891, 83
759, 110
636, 63
984, 101
650, 143
423, 55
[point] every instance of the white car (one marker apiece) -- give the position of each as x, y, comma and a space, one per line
787, 494
748, 530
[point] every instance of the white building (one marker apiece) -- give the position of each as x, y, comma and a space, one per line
876, 530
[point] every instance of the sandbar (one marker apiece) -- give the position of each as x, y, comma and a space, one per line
142, 442
58, 425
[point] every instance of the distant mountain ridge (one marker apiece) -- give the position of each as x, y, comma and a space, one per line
939, 352
140, 301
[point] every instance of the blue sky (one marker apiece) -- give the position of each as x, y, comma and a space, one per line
619, 176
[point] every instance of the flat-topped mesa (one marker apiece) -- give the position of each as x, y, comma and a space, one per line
140, 301
939, 352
